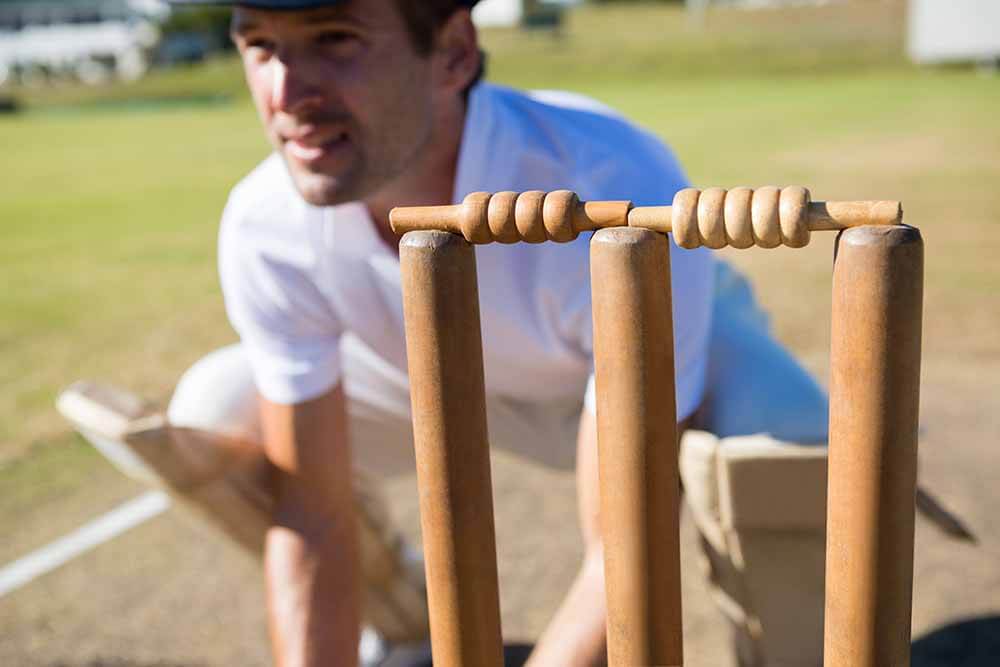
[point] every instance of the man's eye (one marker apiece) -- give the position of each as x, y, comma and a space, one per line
256, 49
337, 38
260, 43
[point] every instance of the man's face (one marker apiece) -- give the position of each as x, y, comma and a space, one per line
343, 96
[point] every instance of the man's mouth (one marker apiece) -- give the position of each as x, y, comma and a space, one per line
310, 149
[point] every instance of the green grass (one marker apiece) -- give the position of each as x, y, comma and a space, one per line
109, 224
110, 197
651, 44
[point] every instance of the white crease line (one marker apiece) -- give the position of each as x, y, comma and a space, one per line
86, 537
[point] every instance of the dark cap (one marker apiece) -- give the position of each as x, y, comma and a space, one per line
284, 4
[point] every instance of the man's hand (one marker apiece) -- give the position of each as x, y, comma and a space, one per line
576, 635
311, 561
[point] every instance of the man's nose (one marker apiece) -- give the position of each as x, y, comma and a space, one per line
291, 90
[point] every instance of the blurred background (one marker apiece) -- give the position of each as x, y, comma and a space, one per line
123, 125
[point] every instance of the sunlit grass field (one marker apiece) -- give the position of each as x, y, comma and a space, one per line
109, 206
110, 197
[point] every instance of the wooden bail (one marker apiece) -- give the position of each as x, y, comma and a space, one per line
445, 358
637, 445
740, 218
874, 401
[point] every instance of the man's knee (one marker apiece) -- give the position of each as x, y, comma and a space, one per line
217, 395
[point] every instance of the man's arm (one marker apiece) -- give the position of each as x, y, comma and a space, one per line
576, 635
311, 560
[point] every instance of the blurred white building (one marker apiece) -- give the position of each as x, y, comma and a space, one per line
954, 31
511, 13
90, 40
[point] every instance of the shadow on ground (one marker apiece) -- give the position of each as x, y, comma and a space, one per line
972, 642
514, 655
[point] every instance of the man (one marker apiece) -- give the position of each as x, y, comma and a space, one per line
367, 111
372, 104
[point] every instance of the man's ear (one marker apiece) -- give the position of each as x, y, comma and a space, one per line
456, 52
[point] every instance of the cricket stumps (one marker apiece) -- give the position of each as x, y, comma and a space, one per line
874, 401
447, 390
875, 365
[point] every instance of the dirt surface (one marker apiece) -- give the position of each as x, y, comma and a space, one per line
173, 593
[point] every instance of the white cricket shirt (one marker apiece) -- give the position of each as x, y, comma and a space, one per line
296, 276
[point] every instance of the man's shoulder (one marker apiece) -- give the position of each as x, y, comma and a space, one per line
595, 149
563, 112
549, 104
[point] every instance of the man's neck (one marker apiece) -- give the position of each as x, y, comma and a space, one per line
429, 182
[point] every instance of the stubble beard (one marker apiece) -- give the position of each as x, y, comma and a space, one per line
364, 178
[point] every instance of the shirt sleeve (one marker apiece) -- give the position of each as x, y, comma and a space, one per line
287, 325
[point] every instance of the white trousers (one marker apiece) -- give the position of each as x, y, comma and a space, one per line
218, 395
753, 386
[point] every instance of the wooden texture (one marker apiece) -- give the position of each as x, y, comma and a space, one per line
224, 479
767, 217
874, 397
444, 349
637, 445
